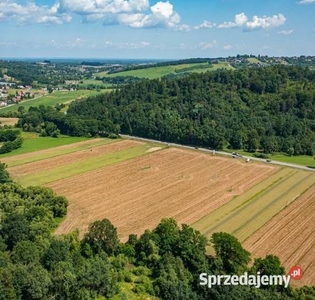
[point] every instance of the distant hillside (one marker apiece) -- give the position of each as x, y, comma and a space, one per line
180, 68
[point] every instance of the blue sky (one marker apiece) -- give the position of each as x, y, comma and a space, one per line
156, 29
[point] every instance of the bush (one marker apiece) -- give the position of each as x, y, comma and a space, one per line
261, 155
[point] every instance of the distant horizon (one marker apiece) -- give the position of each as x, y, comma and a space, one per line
100, 59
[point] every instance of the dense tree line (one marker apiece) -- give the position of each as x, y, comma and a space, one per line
271, 109
10, 139
49, 121
164, 263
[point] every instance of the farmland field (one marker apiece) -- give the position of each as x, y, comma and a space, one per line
135, 184
154, 182
157, 72
291, 236
8, 121
50, 99
32, 142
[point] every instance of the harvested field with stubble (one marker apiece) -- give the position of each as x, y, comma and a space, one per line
8, 121
290, 235
64, 166
53, 152
79, 156
137, 194
247, 213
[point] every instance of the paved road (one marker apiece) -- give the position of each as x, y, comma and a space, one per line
222, 153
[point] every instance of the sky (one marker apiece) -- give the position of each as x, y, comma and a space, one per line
150, 29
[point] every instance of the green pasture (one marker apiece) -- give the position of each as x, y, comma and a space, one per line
33, 142
157, 72
150, 73
303, 160
253, 60
51, 99
65, 171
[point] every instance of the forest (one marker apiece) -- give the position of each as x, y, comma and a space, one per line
163, 263
270, 109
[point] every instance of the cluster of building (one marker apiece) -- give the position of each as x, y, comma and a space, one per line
21, 93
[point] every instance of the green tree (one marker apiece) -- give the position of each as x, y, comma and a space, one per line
15, 228
4, 174
25, 252
102, 236
229, 250
57, 251
167, 234
7, 291
192, 249
96, 275
31, 282
270, 265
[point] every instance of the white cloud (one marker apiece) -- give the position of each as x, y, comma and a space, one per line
31, 13
201, 45
85, 7
306, 1
207, 45
241, 20
76, 43
266, 22
227, 47
126, 45
286, 32
133, 13
162, 15
205, 24
184, 27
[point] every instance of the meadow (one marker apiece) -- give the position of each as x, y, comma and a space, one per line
157, 72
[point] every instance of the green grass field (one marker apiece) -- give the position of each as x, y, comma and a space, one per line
253, 60
150, 73
51, 99
303, 160
32, 142
157, 72
222, 65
